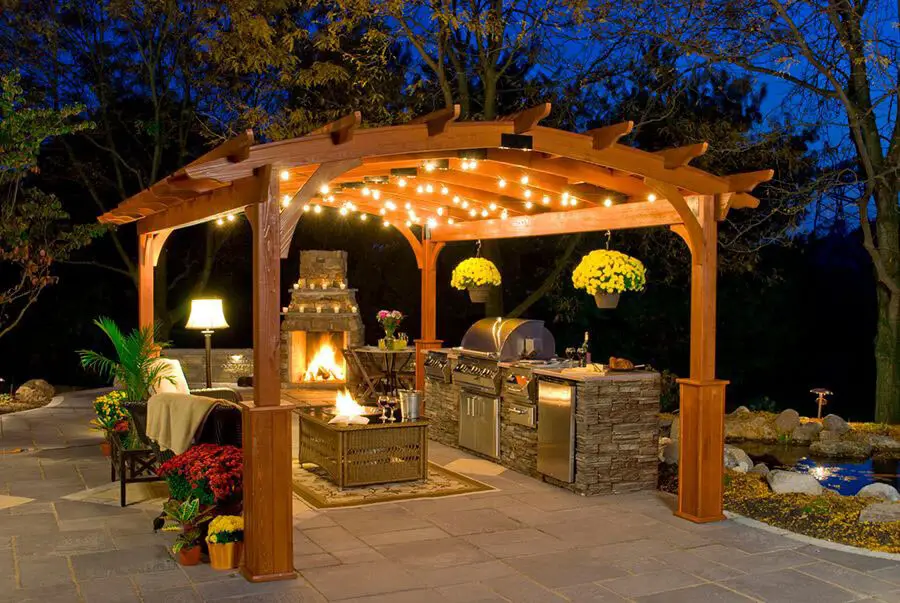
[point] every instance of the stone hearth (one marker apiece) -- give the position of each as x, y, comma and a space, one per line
323, 313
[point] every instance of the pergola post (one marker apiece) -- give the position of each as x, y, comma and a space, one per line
268, 520
702, 416
427, 341
145, 280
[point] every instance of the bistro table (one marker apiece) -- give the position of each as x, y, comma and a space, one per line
361, 455
390, 363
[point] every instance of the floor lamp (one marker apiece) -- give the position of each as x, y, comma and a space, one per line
207, 316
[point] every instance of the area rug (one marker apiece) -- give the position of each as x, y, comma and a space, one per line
313, 486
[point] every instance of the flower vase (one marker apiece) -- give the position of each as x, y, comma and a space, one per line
189, 556
606, 301
479, 295
106, 448
225, 556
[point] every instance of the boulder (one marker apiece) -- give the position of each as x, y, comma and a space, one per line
737, 459
879, 490
836, 424
786, 482
882, 512
760, 469
828, 435
35, 391
741, 411
759, 428
883, 443
787, 421
806, 433
675, 430
841, 449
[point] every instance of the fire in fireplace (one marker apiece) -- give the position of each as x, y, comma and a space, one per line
318, 357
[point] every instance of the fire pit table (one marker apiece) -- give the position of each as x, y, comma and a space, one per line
362, 455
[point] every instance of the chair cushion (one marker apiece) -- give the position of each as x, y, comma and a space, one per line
176, 385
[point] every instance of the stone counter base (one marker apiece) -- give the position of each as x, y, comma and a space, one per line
616, 434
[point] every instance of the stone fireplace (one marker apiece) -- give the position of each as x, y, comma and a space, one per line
321, 321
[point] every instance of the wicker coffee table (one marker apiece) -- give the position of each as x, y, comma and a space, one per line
362, 455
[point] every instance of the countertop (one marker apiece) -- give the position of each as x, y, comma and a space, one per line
583, 375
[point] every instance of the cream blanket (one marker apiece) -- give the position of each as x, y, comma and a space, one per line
173, 419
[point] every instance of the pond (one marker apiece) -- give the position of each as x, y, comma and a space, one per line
847, 476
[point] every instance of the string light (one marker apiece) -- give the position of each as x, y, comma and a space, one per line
408, 223
390, 205
306, 207
385, 223
564, 202
472, 164
420, 189
607, 202
230, 217
524, 179
383, 211
429, 188
285, 201
472, 212
456, 199
401, 182
465, 204
363, 217
220, 222
285, 174
431, 222
492, 206
529, 205
501, 183
504, 214
546, 200
565, 196
651, 197
317, 209
330, 198
527, 193
440, 211
343, 211
365, 191
464, 165
429, 166
445, 190
484, 213
324, 189
408, 205
376, 194
573, 201
451, 221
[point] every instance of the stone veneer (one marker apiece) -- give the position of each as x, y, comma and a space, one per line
227, 364
616, 433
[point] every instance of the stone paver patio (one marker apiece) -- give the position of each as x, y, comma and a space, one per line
526, 542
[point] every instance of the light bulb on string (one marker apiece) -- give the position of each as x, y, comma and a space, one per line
529, 205
401, 182
220, 222
651, 197
306, 207
451, 221
445, 190
386, 223
420, 189
607, 202
408, 205
484, 213
432, 223
546, 200
285, 200
324, 189
363, 217
492, 206
527, 193
230, 217
501, 183
524, 179
365, 191
285, 175
456, 199
429, 188
472, 212
376, 194
317, 209
465, 204
504, 214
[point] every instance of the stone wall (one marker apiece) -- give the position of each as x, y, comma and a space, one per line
616, 433
227, 364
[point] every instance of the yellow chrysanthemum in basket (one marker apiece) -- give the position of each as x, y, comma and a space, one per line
604, 271
475, 272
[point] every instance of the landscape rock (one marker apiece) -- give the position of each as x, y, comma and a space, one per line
758, 428
841, 448
836, 424
760, 469
787, 421
828, 435
806, 433
883, 443
675, 430
880, 490
741, 411
35, 391
737, 459
882, 512
786, 482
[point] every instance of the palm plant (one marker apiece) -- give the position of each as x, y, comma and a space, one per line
134, 367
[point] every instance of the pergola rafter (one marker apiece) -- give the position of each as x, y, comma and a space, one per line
273, 182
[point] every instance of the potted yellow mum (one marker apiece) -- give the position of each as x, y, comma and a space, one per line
477, 275
226, 541
605, 274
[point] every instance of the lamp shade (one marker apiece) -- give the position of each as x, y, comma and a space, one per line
206, 315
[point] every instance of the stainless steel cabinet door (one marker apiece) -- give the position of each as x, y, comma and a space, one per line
556, 430
467, 421
488, 426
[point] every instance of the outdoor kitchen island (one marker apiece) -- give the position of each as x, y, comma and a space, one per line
576, 428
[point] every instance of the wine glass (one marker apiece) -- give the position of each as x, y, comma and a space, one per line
383, 403
392, 405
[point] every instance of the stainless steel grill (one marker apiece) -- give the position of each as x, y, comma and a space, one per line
437, 365
509, 339
478, 373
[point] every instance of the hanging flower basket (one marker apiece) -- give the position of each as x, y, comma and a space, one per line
606, 274
477, 275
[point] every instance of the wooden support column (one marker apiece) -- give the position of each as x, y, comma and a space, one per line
702, 416
427, 341
145, 280
268, 520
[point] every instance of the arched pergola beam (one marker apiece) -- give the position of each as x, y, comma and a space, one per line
689, 221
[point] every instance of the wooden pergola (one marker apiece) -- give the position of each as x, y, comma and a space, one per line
448, 181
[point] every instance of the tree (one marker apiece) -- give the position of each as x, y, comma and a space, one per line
34, 234
839, 61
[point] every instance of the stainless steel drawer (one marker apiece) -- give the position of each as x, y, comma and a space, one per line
520, 414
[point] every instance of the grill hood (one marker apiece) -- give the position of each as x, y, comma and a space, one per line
506, 339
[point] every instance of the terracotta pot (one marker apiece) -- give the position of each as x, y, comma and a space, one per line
189, 556
106, 449
606, 301
225, 556
479, 295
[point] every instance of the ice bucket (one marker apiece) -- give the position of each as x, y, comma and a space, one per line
410, 402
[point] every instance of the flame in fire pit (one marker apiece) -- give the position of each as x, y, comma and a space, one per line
346, 406
324, 366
